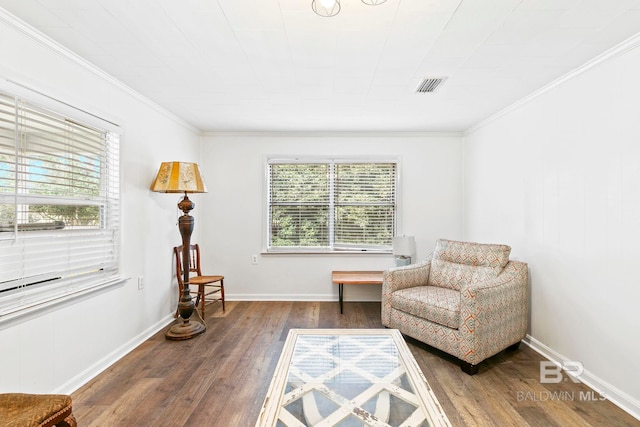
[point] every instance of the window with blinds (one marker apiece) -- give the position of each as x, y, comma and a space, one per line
59, 205
332, 205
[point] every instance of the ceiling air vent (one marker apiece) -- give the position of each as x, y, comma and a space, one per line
430, 84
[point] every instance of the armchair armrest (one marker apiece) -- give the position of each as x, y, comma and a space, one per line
406, 277
494, 314
400, 278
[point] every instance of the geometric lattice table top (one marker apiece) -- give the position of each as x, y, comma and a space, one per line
349, 377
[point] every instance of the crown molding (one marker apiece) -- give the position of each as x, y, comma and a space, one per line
46, 41
621, 48
334, 134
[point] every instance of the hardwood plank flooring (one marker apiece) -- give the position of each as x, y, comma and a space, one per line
221, 377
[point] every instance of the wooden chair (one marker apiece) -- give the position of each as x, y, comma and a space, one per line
209, 288
37, 410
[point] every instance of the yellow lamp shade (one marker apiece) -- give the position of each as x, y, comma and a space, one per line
179, 177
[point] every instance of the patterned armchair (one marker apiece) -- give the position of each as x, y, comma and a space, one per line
466, 299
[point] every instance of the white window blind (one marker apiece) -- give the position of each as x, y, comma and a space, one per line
59, 205
365, 204
337, 204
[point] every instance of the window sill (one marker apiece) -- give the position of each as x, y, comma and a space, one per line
317, 252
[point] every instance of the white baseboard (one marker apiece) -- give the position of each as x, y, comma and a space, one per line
94, 370
616, 396
294, 297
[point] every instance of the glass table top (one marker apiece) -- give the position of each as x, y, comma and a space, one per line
349, 377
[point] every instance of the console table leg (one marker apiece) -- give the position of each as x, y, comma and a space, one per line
341, 278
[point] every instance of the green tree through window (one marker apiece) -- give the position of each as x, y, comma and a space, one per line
333, 205
299, 197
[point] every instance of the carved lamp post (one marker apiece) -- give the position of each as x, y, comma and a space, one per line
180, 177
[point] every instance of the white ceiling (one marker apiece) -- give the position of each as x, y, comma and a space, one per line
273, 65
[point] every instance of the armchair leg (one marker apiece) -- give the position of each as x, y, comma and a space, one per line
468, 368
514, 347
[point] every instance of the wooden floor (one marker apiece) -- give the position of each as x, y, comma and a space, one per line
221, 377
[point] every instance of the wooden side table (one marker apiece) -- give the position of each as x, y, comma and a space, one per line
342, 278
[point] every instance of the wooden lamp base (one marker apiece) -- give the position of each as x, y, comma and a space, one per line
186, 329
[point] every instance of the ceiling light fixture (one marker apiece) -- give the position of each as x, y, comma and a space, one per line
329, 8
326, 8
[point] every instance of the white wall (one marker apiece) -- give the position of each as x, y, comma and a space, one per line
558, 178
431, 200
59, 349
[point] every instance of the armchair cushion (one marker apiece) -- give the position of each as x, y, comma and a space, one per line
456, 263
476, 254
439, 305
450, 275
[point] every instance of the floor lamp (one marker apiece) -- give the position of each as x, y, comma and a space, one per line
180, 177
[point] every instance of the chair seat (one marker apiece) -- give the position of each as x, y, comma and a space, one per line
438, 305
203, 280
26, 410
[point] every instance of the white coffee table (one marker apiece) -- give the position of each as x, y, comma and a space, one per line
349, 377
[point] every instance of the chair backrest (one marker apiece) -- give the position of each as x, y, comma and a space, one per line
194, 261
455, 263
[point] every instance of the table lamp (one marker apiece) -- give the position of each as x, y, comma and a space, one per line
181, 177
403, 249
